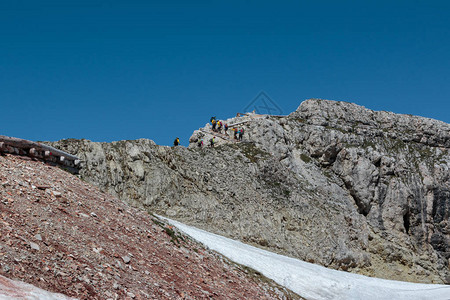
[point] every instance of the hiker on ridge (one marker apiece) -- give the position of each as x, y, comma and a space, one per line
212, 141
241, 133
200, 143
226, 128
214, 123
176, 142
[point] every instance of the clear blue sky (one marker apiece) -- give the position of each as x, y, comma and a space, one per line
113, 70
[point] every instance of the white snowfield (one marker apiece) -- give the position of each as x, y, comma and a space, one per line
312, 281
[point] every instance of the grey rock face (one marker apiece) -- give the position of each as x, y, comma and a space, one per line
332, 183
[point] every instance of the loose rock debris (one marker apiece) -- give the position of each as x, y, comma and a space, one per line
65, 236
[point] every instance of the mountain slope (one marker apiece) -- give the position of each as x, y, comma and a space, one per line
312, 281
63, 235
332, 183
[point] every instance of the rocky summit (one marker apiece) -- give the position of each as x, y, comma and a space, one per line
332, 183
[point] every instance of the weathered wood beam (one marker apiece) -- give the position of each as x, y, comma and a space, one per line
57, 152
48, 153
25, 144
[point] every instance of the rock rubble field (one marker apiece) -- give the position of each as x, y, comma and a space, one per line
65, 236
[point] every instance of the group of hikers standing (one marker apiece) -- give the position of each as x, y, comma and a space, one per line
217, 126
238, 133
222, 128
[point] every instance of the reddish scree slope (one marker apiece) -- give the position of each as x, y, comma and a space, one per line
63, 235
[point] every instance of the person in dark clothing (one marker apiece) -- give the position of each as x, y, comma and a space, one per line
226, 128
176, 142
241, 133
212, 141
200, 143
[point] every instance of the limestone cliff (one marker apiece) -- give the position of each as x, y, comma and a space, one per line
332, 183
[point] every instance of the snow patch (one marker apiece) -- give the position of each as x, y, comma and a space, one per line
313, 281
12, 289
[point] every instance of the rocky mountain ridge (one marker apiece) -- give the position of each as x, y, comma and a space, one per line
332, 183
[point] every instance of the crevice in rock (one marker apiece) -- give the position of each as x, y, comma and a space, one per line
362, 209
406, 223
377, 162
441, 204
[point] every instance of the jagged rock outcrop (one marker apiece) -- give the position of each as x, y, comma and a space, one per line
331, 183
